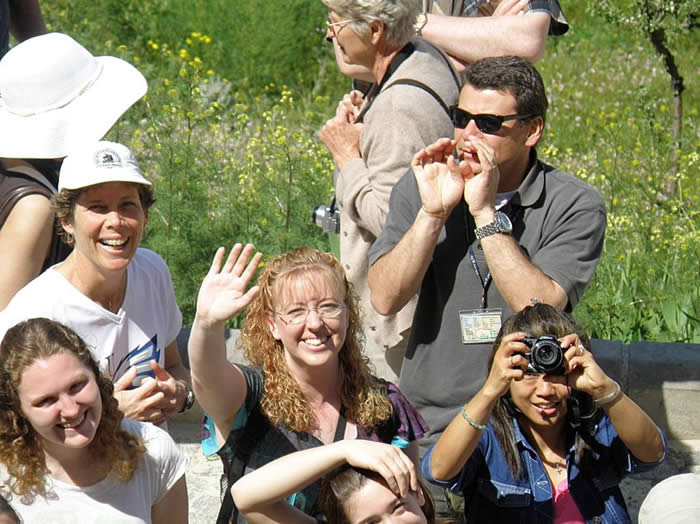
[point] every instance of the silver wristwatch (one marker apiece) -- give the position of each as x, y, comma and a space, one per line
501, 224
189, 399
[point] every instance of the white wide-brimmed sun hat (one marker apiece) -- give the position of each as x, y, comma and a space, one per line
56, 96
98, 163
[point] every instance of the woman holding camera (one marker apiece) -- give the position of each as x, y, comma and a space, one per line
533, 447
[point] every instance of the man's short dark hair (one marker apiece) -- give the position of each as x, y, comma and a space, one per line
512, 74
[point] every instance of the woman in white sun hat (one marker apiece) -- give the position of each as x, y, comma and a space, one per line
118, 297
54, 96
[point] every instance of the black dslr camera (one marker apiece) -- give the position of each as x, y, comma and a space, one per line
546, 356
327, 218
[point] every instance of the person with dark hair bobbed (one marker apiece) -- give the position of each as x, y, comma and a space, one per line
481, 228
549, 436
116, 295
67, 454
22, 18
309, 382
361, 482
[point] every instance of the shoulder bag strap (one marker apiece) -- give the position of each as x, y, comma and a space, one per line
421, 85
252, 434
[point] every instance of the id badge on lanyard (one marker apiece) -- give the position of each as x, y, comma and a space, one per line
481, 325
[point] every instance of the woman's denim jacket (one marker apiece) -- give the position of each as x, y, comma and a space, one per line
492, 494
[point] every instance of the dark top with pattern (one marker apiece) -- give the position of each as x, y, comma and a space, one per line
254, 440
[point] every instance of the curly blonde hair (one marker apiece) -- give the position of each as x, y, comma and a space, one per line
283, 402
20, 446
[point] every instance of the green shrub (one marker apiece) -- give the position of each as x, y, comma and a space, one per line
228, 134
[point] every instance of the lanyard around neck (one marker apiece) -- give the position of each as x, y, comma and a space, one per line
485, 282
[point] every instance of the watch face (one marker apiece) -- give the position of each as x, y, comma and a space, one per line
503, 223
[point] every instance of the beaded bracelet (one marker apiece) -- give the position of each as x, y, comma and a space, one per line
610, 398
475, 425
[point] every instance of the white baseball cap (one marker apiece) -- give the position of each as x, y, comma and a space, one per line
55, 96
99, 163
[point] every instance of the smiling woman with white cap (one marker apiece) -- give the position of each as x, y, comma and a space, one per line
54, 96
118, 297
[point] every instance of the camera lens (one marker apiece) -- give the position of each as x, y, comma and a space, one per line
547, 356
318, 215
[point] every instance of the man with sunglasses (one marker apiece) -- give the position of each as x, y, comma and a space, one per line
481, 228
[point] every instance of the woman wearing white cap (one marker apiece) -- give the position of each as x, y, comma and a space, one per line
54, 96
118, 297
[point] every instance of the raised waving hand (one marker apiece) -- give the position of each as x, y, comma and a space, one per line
223, 292
219, 385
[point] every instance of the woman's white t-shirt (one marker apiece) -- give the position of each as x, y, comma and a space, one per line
111, 501
147, 322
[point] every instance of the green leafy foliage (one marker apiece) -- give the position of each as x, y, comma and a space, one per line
237, 93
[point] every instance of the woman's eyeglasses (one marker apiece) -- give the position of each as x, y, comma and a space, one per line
489, 124
299, 315
332, 25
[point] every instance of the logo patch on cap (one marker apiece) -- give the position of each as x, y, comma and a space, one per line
107, 158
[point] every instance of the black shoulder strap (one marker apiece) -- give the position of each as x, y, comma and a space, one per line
428, 89
421, 85
446, 59
378, 89
252, 434
340, 426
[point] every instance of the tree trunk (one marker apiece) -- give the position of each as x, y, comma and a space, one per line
658, 39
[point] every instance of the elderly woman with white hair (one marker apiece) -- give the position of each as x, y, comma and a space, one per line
373, 137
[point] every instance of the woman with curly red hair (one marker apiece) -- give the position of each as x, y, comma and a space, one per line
309, 383
66, 449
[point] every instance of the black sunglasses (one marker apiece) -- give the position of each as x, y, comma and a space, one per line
486, 123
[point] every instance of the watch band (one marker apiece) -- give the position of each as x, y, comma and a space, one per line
421, 21
189, 399
501, 224
487, 230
